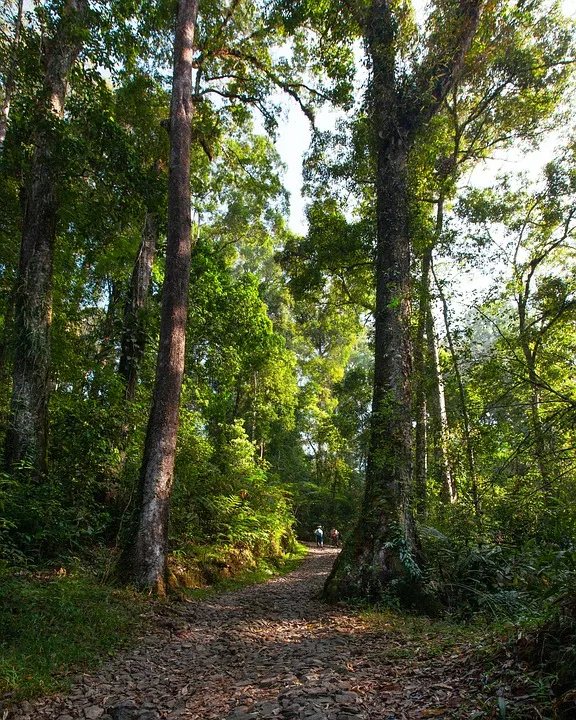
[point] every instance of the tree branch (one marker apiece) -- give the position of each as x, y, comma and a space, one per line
439, 72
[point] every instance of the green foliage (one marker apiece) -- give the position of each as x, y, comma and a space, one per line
39, 523
234, 573
223, 495
7, 484
498, 579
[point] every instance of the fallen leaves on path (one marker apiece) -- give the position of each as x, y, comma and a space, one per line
275, 651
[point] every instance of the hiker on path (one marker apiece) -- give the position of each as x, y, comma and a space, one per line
334, 538
319, 536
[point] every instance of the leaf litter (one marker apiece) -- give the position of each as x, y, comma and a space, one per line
276, 651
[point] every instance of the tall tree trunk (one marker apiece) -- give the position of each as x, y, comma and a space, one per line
535, 418
475, 495
385, 547
134, 331
10, 75
439, 417
430, 402
28, 428
107, 352
437, 402
420, 404
386, 530
149, 564
539, 432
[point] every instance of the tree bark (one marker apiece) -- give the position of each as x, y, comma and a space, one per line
149, 562
134, 331
384, 547
26, 440
386, 528
475, 495
437, 403
439, 417
10, 75
430, 402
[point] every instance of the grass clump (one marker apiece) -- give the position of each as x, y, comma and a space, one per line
53, 626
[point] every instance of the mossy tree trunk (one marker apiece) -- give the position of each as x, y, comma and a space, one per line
27, 436
134, 328
384, 547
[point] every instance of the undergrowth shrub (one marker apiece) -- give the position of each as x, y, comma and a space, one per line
93, 465
498, 579
38, 524
224, 499
531, 587
551, 648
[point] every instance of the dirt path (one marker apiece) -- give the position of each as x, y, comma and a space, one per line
267, 651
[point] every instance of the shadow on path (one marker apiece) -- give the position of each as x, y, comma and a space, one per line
266, 651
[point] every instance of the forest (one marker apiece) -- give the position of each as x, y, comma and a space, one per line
189, 387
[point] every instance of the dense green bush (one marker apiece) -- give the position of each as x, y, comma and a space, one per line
225, 497
498, 579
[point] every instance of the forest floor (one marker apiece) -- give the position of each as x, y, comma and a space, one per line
275, 651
